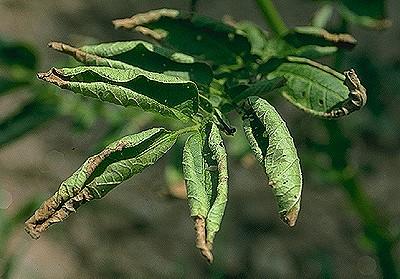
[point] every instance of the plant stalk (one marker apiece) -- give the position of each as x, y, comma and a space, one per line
272, 17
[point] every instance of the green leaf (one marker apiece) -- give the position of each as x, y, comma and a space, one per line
273, 147
100, 174
305, 41
202, 37
170, 96
153, 58
317, 89
280, 48
206, 175
366, 13
31, 116
256, 35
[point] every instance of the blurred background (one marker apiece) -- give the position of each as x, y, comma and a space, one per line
349, 224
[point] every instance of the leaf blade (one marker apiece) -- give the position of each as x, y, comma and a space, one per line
216, 42
317, 89
274, 148
206, 175
100, 174
140, 54
131, 87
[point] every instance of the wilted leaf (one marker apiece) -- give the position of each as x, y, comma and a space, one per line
206, 176
317, 89
307, 41
278, 47
164, 94
32, 115
205, 38
310, 35
100, 174
273, 147
153, 58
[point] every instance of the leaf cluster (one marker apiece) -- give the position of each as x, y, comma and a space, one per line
198, 71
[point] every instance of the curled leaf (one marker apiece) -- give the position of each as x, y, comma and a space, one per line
167, 95
280, 48
100, 174
274, 149
124, 55
317, 89
205, 38
310, 35
206, 176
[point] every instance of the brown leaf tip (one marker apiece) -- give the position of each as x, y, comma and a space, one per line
144, 18
358, 93
290, 217
52, 76
56, 45
201, 242
55, 210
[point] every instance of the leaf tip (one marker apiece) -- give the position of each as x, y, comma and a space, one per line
144, 18
290, 217
30, 228
201, 243
52, 76
55, 45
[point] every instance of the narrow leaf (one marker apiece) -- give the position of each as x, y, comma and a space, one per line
217, 209
310, 35
317, 89
167, 95
280, 48
206, 176
124, 55
273, 147
100, 174
205, 38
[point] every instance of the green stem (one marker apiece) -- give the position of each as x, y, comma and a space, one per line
272, 17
